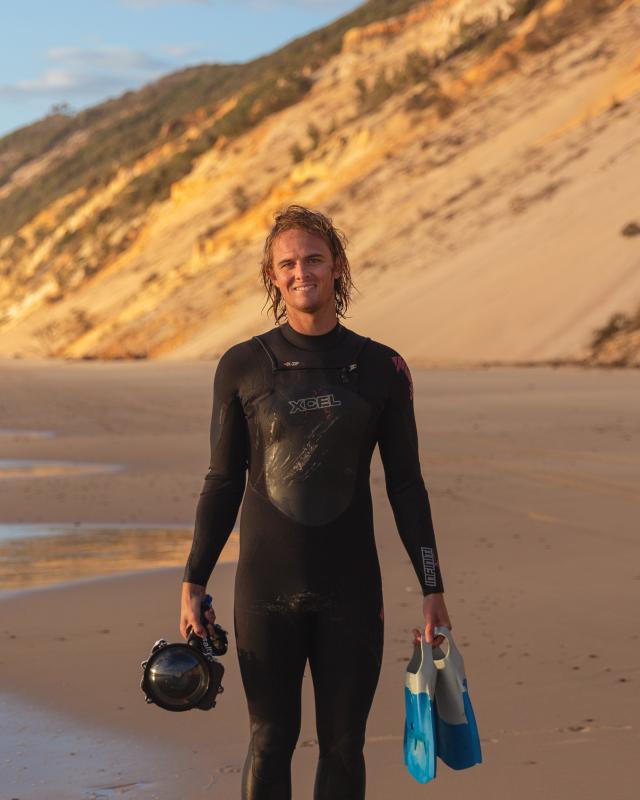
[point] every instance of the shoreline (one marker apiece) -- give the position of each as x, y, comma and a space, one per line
87, 582
416, 362
57, 554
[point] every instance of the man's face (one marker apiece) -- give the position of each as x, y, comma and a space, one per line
303, 270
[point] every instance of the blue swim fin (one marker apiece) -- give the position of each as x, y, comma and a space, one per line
457, 738
419, 731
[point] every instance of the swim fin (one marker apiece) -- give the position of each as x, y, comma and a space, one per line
419, 730
457, 738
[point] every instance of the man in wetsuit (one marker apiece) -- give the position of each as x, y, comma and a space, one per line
302, 407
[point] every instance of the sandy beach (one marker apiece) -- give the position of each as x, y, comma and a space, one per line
533, 478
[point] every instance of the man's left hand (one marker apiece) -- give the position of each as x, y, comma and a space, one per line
435, 613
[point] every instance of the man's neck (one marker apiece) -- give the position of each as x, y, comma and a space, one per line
312, 324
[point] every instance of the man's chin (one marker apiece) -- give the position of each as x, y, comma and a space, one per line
308, 306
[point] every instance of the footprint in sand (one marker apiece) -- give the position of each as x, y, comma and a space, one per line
107, 792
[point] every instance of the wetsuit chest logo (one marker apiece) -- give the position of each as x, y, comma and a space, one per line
313, 403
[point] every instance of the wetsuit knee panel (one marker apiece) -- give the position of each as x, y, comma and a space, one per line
348, 747
272, 747
341, 769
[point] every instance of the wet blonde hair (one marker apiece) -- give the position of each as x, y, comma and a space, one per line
298, 217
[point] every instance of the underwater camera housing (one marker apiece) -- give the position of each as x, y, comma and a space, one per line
182, 676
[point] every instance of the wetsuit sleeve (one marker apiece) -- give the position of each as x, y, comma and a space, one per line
224, 482
398, 443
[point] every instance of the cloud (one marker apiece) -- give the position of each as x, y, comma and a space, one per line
180, 50
300, 3
262, 4
51, 79
62, 82
75, 72
156, 3
109, 58
266, 4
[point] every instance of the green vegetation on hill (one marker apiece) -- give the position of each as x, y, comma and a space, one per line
524, 7
618, 325
26, 143
121, 130
480, 36
417, 69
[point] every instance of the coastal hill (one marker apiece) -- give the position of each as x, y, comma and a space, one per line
481, 155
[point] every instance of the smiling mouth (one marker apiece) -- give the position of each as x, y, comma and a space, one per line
304, 288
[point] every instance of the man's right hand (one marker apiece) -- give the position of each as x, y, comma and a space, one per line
190, 615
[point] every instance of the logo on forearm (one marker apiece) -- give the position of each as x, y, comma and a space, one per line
429, 566
401, 366
313, 403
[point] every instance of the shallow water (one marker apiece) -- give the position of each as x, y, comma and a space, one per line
36, 530
19, 433
40, 468
42, 554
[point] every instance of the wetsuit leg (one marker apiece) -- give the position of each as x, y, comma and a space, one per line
272, 652
345, 661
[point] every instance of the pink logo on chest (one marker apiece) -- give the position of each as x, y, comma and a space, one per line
401, 366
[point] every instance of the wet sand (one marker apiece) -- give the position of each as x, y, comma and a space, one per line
533, 478
43, 554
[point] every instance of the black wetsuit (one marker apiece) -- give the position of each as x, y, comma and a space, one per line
304, 414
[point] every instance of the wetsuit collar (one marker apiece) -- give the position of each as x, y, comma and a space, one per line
322, 341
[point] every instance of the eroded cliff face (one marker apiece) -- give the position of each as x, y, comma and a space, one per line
435, 25
480, 156
622, 351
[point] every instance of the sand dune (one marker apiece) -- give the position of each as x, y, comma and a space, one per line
493, 231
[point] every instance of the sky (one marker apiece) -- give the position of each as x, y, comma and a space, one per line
81, 52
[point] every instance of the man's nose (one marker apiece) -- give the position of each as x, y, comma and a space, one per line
299, 269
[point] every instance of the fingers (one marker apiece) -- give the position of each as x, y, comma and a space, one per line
191, 621
435, 615
186, 624
192, 617
428, 634
434, 641
197, 618
208, 618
